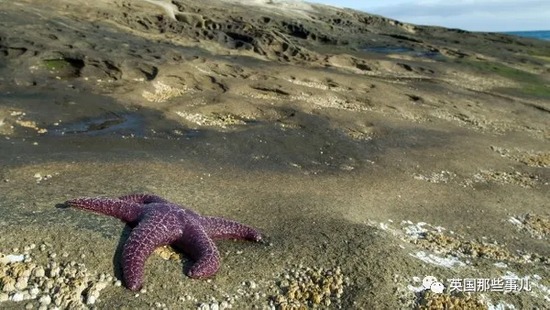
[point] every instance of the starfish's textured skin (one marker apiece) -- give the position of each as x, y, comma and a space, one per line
159, 222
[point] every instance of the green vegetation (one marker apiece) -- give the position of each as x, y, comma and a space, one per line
545, 58
56, 64
531, 84
505, 71
539, 90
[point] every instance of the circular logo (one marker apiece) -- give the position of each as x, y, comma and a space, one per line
431, 283
427, 282
437, 287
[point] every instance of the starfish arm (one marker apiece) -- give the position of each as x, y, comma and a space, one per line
124, 210
153, 231
143, 198
197, 244
220, 228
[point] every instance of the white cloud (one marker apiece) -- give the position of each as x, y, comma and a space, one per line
448, 8
488, 15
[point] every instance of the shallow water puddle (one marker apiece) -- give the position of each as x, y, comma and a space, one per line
113, 123
401, 50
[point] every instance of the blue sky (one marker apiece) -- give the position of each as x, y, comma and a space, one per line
474, 15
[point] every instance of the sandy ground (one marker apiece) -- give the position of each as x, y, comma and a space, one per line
367, 171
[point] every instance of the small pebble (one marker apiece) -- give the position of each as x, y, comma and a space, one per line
45, 300
203, 306
49, 284
17, 297
34, 292
26, 295
22, 283
39, 272
54, 272
224, 305
91, 300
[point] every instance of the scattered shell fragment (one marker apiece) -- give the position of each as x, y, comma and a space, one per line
66, 285
304, 287
428, 300
538, 226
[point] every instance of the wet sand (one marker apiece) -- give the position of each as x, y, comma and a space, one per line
294, 121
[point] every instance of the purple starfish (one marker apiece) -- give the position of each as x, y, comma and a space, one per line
160, 222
